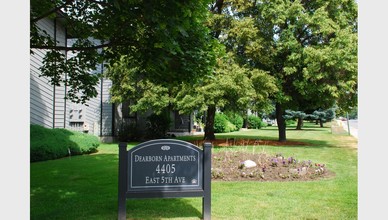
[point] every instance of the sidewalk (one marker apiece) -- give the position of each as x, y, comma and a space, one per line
344, 125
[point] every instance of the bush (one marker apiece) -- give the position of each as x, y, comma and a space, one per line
222, 124
49, 144
158, 125
129, 132
235, 119
255, 122
230, 127
290, 122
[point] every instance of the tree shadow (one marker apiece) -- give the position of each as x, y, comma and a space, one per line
161, 208
305, 129
86, 187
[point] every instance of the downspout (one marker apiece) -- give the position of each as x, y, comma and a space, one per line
64, 112
55, 44
113, 119
189, 123
101, 102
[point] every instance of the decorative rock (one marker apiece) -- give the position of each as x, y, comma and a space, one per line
249, 164
303, 171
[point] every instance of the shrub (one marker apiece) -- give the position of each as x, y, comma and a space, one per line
158, 125
222, 124
49, 144
123, 132
290, 122
230, 127
255, 122
129, 132
235, 119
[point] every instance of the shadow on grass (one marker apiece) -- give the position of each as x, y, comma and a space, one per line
161, 208
86, 187
305, 129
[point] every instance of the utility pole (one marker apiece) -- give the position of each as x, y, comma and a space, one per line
347, 120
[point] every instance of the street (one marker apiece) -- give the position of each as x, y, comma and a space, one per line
353, 124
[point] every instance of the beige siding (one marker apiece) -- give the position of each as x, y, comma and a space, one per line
47, 102
48, 106
41, 92
93, 113
107, 112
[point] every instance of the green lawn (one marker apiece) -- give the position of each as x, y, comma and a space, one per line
85, 187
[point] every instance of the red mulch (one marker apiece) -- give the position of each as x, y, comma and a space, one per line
245, 142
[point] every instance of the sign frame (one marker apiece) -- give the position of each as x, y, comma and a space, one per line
169, 147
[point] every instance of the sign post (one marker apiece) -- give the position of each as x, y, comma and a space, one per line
164, 168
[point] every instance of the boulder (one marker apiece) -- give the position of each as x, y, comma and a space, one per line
249, 164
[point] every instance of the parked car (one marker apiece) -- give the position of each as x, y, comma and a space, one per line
342, 118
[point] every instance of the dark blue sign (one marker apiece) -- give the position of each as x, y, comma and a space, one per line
165, 164
164, 168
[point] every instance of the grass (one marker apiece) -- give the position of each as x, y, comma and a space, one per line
85, 187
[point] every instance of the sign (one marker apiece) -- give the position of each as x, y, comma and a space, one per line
164, 168
166, 165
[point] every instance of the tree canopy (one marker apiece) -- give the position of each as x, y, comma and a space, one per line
300, 54
309, 47
231, 88
166, 40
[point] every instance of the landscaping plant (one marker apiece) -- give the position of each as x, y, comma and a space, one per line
49, 144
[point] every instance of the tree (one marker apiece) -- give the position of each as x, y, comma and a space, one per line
299, 115
232, 87
310, 47
322, 116
353, 114
166, 40
234, 26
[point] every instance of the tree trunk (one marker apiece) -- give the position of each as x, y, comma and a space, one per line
281, 123
245, 119
321, 123
300, 124
209, 126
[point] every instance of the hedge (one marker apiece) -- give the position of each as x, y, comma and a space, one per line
49, 144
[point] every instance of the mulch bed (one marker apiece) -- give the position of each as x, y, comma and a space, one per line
245, 142
227, 165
